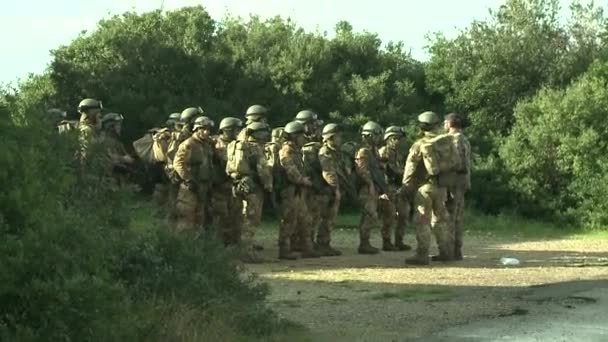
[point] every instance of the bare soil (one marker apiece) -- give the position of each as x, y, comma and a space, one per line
378, 298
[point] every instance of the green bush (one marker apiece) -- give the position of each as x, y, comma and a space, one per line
73, 269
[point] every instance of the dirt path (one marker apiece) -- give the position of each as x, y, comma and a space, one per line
377, 298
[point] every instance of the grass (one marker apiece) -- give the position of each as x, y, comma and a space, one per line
421, 295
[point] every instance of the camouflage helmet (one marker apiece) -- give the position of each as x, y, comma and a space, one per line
173, 118
277, 132
428, 118
230, 122
88, 103
110, 118
202, 122
190, 113
256, 111
371, 128
330, 130
306, 116
257, 126
392, 131
295, 127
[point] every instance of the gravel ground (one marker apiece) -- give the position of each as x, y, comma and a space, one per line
378, 298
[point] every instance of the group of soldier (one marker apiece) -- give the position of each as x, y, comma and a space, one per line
305, 169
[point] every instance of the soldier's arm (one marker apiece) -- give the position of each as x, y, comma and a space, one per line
411, 164
362, 160
288, 162
181, 159
383, 157
264, 170
328, 168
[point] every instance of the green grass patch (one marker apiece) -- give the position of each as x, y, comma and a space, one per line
416, 295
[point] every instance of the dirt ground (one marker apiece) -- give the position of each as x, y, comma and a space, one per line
378, 298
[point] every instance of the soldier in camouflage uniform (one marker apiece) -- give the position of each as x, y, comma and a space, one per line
252, 175
397, 210
255, 113
225, 208
331, 162
193, 164
89, 125
161, 140
430, 197
294, 216
455, 205
372, 185
118, 161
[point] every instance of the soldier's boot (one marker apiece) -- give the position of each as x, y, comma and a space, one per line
402, 246
458, 254
388, 246
295, 244
445, 254
366, 248
285, 253
418, 259
326, 250
308, 251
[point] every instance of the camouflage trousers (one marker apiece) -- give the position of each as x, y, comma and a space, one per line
294, 217
329, 207
369, 212
252, 204
430, 204
395, 212
191, 210
226, 212
455, 206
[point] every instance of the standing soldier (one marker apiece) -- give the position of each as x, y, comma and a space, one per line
225, 208
249, 169
193, 165
89, 124
397, 210
372, 185
330, 159
160, 147
119, 160
294, 216
430, 197
462, 181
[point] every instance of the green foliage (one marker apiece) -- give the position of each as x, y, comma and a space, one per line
557, 150
73, 268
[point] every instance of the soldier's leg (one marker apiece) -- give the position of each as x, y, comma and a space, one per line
403, 219
288, 223
235, 219
422, 221
185, 209
329, 212
252, 208
441, 227
457, 218
303, 227
388, 213
369, 216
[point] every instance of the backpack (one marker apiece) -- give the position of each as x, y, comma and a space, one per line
144, 148
238, 161
162, 139
440, 156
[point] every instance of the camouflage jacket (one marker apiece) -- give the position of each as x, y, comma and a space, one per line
367, 166
414, 173
88, 135
464, 150
219, 159
290, 157
392, 164
193, 161
331, 162
312, 165
254, 157
177, 137
162, 139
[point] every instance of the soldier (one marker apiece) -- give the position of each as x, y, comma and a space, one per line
89, 124
372, 183
294, 216
272, 148
226, 209
193, 165
255, 113
160, 147
119, 160
462, 182
330, 159
252, 175
397, 210
430, 197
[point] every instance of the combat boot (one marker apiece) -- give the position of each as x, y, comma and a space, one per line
388, 246
326, 250
401, 246
366, 248
441, 257
285, 253
418, 259
458, 254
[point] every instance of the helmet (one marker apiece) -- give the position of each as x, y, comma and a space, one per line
173, 118
230, 122
57, 114
330, 130
202, 122
428, 118
257, 126
256, 110
306, 116
294, 127
111, 117
371, 128
87, 104
277, 132
190, 113
393, 131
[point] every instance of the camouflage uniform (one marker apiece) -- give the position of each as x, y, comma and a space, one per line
315, 199
88, 135
226, 209
455, 204
366, 162
429, 203
331, 161
294, 214
160, 147
397, 210
193, 165
177, 137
